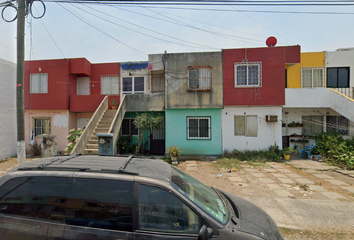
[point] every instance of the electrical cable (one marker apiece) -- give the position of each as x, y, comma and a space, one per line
201, 46
136, 51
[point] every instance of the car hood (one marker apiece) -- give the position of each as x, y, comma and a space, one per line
254, 220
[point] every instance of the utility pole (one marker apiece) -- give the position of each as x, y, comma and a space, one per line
21, 149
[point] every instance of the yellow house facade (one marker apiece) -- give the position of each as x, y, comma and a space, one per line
308, 72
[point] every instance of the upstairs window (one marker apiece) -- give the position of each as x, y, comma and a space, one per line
133, 85
338, 77
39, 83
248, 74
83, 86
199, 78
110, 85
312, 77
198, 127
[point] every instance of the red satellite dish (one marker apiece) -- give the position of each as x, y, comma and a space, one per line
271, 41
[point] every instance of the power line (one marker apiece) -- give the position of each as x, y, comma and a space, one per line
216, 3
94, 27
201, 46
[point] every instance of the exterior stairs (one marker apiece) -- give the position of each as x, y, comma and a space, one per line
102, 127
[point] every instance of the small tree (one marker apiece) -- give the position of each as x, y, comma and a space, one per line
146, 121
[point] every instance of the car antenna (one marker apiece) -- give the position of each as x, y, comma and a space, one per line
122, 168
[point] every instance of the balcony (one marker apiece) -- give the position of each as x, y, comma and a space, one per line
85, 103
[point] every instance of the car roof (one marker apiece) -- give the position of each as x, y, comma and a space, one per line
131, 165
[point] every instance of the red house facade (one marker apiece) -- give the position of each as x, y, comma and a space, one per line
63, 94
254, 92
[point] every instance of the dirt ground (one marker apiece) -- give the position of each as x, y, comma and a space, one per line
207, 173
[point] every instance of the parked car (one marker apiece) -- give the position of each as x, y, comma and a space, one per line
107, 197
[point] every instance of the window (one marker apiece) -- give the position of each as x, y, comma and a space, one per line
83, 86
161, 211
312, 125
35, 197
337, 124
248, 74
110, 85
199, 78
246, 125
39, 83
198, 127
338, 77
41, 126
312, 77
157, 83
132, 85
129, 128
99, 203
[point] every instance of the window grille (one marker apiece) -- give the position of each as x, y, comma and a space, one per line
198, 127
157, 83
110, 85
199, 78
248, 74
41, 126
312, 77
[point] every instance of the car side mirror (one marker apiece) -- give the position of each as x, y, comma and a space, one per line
205, 233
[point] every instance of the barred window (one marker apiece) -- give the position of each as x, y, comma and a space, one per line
248, 74
337, 124
128, 127
110, 85
246, 125
199, 78
157, 83
198, 127
312, 77
39, 83
41, 126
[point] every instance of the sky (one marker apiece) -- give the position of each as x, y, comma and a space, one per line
122, 33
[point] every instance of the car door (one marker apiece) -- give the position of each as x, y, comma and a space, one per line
164, 216
28, 204
99, 209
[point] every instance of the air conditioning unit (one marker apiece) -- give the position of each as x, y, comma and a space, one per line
271, 118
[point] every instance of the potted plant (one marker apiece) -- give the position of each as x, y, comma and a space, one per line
114, 103
174, 153
286, 153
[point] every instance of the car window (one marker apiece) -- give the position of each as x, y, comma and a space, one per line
204, 197
162, 211
35, 197
98, 203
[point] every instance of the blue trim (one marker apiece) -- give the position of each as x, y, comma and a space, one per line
134, 66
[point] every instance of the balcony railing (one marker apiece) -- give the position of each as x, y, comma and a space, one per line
349, 92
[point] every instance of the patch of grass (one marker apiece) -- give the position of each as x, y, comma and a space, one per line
227, 163
261, 155
303, 186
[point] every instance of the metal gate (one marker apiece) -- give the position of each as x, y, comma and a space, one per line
157, 140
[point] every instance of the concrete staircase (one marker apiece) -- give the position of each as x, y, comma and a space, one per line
102, 127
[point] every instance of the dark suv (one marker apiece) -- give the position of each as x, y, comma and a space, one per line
114, 198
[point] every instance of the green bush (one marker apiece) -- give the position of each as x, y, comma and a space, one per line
335, 150
73, 137
261, 155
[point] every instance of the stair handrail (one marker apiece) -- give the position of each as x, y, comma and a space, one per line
86, 134
117, 121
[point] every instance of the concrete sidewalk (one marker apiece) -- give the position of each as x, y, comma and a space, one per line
336, 210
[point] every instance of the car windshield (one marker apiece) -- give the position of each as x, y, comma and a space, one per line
206, 198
